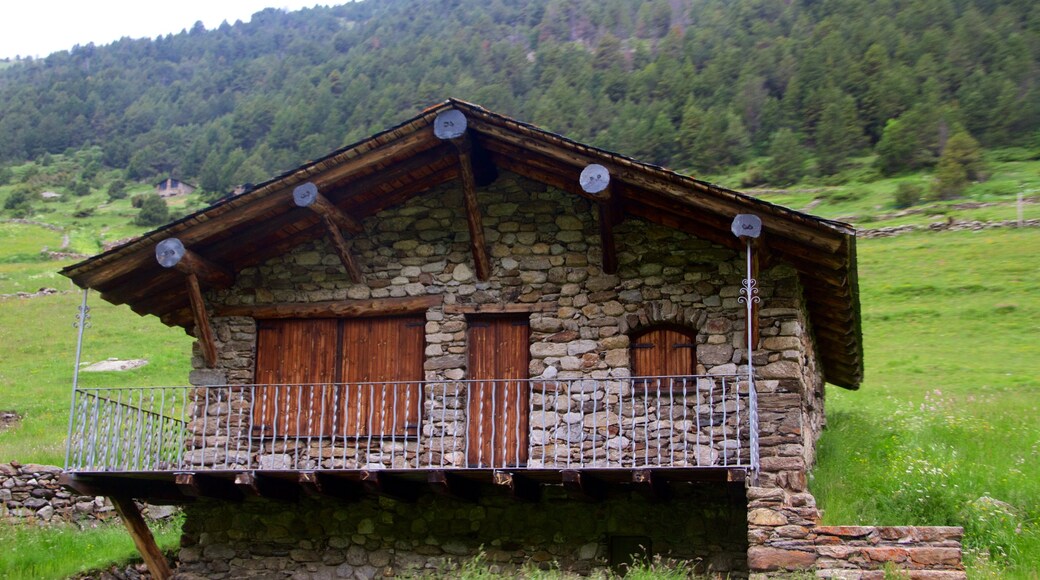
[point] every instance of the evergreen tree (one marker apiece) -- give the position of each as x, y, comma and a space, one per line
786, 158
839, 133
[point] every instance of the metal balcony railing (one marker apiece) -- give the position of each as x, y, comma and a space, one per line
687, 421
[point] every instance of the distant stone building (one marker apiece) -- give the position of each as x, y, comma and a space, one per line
171, 187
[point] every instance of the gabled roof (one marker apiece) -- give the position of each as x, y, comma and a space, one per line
392, 166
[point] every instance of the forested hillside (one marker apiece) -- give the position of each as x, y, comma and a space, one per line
697, 85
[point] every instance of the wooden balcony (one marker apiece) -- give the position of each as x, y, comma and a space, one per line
456, 437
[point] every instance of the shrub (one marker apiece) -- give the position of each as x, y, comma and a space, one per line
907, 195
81, 188
137, 200
117, 190
153, 211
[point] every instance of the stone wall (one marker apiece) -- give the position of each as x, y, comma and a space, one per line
31, 494
376, 538
545, 250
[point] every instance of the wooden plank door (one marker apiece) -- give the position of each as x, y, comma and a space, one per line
497, 405
298, 358
663, 352
382, 370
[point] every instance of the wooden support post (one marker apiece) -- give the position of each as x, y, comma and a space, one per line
452, 485
171, 253
334, 219
595, 182
343, 251
203, 331
519, 487
481, 259
583, 486
307, 196
388, 485
606, 236
142, 536
755, 304
652, 486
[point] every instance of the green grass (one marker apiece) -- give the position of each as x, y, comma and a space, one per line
866, 200
950, 409
39, 352
32, 552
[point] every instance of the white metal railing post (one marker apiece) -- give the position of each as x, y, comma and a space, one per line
749, 227
82, 320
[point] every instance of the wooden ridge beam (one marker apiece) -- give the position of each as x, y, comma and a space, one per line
142, 536
336, 308
203, 330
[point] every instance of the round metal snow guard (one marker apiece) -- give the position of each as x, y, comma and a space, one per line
449, 124
305, 194
169, 251
747, 225
594, 178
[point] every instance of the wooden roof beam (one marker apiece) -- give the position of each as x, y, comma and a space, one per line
333, 218
450, 125
595, 180
171, 253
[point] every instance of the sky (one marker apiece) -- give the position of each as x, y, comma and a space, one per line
38, 28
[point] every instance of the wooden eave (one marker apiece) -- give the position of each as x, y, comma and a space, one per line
389, 168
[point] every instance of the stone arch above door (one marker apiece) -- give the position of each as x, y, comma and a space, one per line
661, 312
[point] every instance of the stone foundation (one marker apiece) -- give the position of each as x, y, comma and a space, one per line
381, 537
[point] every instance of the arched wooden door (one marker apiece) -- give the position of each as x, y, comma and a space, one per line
664, 352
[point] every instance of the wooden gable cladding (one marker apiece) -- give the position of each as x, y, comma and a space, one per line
392, 167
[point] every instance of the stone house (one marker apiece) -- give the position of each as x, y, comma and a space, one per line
171, 187
468, 336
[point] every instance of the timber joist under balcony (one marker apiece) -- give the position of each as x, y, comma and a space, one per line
407, 485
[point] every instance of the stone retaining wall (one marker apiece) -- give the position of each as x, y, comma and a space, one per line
381, 537
945, 226
31, 494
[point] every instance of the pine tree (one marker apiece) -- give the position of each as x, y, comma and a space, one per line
787, 158
839, 133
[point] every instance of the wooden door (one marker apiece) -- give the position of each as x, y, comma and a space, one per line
665, 352
497, 405
381, 369
298, 359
